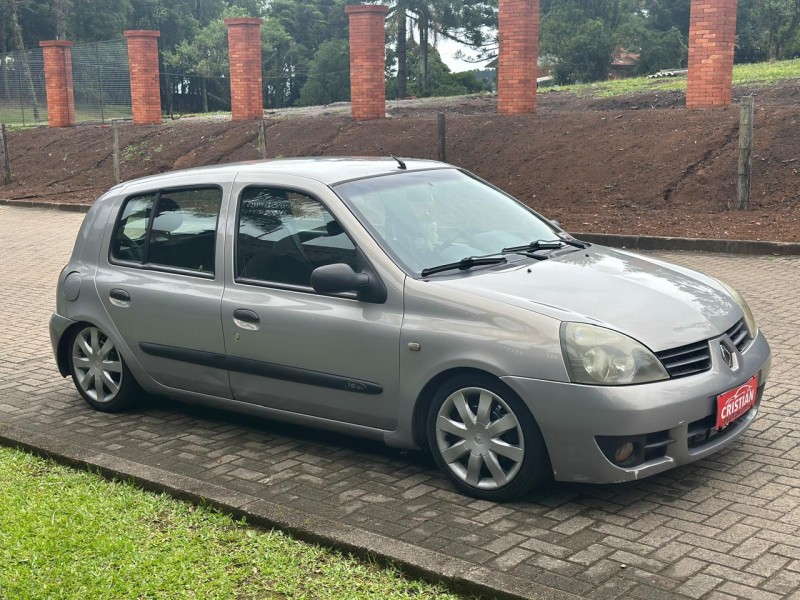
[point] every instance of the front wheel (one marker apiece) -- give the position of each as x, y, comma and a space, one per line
485, 439
99, 373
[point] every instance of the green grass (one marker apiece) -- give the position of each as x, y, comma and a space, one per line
766, 73
13, 115
72, 534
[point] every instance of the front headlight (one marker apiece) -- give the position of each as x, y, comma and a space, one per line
749, 319
600, 356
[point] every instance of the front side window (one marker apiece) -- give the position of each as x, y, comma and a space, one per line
175, 228
434, 217
284, 235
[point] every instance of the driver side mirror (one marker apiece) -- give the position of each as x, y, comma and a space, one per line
340, 278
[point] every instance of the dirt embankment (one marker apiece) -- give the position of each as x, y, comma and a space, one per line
635, 165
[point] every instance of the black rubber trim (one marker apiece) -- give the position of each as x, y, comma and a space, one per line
196, 357
264, 369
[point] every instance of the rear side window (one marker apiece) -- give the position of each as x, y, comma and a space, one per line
175, 228
284, 235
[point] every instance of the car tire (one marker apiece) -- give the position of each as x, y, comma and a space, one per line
99, 372
484, 438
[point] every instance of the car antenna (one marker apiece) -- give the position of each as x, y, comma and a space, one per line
399, 162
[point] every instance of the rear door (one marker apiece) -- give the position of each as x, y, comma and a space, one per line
161, 281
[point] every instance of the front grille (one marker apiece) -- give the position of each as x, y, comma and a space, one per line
686, 360
739, 335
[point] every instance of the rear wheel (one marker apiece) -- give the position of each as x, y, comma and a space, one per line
485, 439
99, 372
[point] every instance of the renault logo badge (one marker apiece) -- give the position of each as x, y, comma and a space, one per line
726, 355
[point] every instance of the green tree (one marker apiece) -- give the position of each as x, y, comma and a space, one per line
11, 10
440, 81
585, 55
657, 48
662, 50
98, 20
308, 24
580, 36
779, 20
206, 55
328, 75
663, 15
469, 22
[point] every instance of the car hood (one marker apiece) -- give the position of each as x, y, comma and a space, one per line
661, 305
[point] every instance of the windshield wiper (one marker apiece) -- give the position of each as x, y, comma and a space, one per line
465, 263
545, 245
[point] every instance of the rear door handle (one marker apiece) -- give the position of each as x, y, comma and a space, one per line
246, 319
119, 297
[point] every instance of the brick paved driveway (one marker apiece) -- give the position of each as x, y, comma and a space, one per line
727, 527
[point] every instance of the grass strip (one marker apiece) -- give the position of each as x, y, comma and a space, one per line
72, 534
757, 74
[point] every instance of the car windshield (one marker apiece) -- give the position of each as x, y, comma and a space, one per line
428, 218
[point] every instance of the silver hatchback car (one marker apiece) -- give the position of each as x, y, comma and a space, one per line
409, 302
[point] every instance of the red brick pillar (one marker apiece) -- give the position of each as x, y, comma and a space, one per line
367, 60
712, 37
143, 64
519, 52
244, 55
58, 83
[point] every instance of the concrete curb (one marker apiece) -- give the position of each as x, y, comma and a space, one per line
51, 205
630, 242
460, 575
644, 242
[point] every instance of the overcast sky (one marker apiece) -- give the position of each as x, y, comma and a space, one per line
447, 48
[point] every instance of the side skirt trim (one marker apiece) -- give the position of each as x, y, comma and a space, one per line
264, 369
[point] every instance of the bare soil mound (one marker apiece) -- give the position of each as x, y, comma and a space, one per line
634, 164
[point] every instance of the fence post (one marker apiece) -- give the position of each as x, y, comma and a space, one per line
442, 138
745, 152
262, 138
115, 129
6, 157
21, 97
100, 82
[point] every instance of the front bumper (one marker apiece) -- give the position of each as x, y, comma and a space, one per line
570, 417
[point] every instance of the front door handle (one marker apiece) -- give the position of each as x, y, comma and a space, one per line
246, 319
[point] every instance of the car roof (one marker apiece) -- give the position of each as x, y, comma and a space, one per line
328, 169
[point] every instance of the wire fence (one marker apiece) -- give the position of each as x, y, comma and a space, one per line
182, 94
101, 81
23, 100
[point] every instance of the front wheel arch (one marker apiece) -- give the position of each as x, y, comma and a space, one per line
498, 434
425, 397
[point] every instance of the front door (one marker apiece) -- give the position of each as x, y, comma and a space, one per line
289, 348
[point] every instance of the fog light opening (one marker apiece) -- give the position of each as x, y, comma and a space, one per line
624, 452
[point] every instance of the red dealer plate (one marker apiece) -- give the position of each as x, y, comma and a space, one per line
734, 403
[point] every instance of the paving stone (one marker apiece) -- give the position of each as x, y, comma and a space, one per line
742, 591
725, 527
699, 585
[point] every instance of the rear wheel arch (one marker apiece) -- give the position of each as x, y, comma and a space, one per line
101, 376
62, 353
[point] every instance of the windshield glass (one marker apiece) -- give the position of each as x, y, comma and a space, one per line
429, 218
